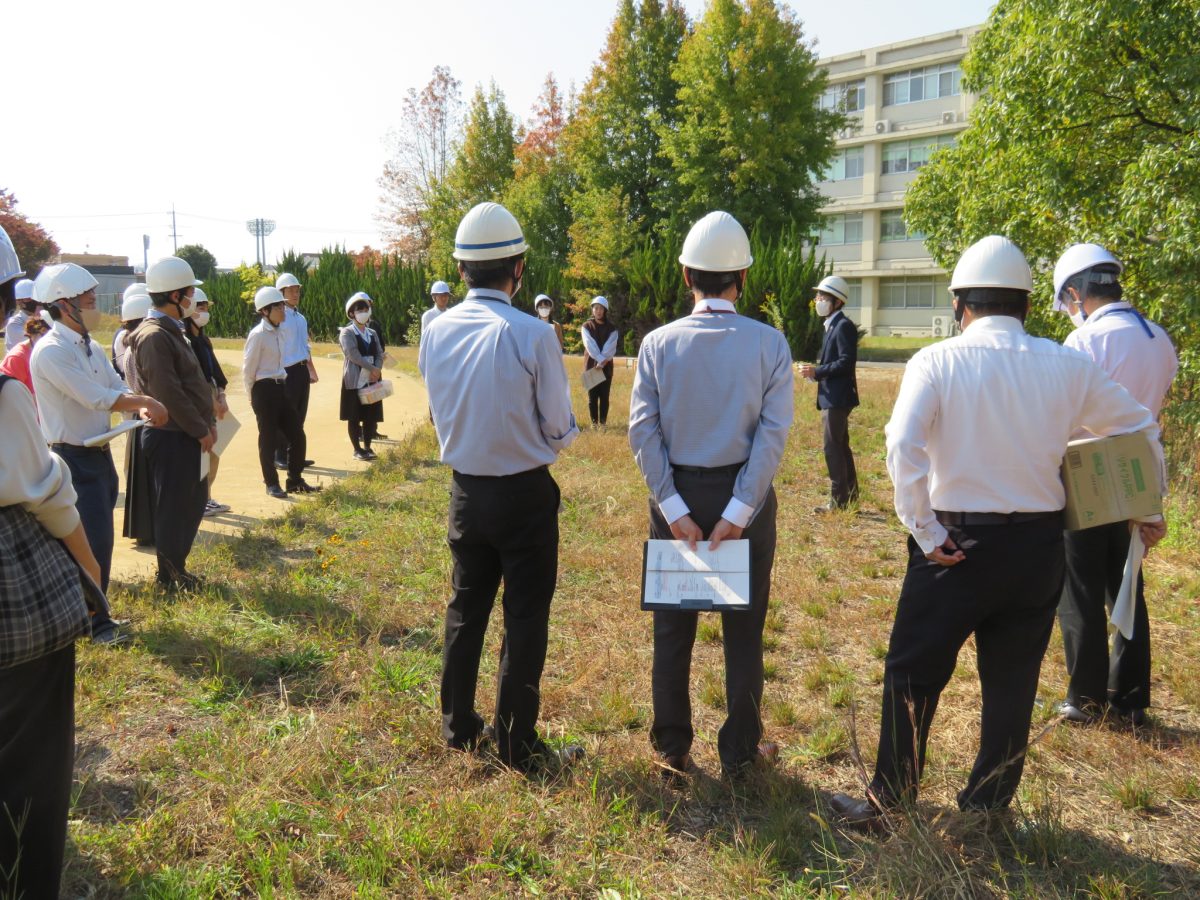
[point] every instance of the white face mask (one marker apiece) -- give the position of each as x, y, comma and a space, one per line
362, 317
544, 312
824, 308
200, 318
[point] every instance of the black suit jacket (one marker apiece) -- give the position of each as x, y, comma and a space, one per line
837, 386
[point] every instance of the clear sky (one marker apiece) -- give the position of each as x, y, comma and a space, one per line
235, 110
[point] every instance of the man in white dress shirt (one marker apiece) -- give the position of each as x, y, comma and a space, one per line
297, 363
440, 292
77, 391
708, 449
1137, 354
500, 403
974, 448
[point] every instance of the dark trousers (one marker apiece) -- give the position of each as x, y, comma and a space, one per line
297, 389
179, 495
275, 417
96, 489
839, 459
598, 397
1095, 566
500, 528
362, 433
1004, 593
707, 494
37, 755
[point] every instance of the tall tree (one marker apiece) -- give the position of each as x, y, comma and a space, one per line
203, 263
422, 150
33, 244
614, 142
747, 135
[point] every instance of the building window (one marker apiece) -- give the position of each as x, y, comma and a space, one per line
913, 293
847, 96
922, 84
892, 227
908, 156
842, 229
846, 163
855, 299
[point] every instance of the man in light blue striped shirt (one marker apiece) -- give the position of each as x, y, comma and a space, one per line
708, 421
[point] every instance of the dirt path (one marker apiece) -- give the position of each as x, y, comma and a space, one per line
239, 479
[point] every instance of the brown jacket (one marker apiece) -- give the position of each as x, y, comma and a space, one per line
167, 370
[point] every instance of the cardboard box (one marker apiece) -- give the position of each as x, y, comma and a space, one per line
1110, 480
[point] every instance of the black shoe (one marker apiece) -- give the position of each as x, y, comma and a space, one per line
546, 759
861, 815
300, 486
274, 490
370, 454
481, 743
765, 757
110, 635
380, 436
183, 582
281, 465
1075, 714
362, 455
674, 768
1133, 717
309, 462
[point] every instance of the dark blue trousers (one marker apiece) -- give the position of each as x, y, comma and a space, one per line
178, 495
96, 489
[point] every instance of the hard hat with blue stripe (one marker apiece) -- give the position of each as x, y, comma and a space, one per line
487, 232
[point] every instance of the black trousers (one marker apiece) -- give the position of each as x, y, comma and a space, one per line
297, 389
839, 459
96, 490
598, 397
500, 528
706, 495
1095, 566
1004, 593
275, 417
179, 495
37, 755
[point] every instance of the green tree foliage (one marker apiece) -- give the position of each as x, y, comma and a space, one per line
614, 142
34, 246
203, 263
292, 263
1087, 128
747, 135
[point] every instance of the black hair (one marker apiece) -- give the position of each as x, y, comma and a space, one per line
162, 299
992, 301
491, 273
1109, 292
8, 296
55, 312
711, 284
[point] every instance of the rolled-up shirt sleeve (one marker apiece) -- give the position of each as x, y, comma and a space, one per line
908, 462
646, 439
770, 438
552, 392
32, 476
61, 367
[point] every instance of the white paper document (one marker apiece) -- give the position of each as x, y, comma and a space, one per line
1126, 602
226, 429
593, 377
101, 439
675, 577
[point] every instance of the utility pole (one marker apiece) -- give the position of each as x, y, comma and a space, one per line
174, 231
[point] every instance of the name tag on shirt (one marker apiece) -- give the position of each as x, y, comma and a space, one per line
677, 578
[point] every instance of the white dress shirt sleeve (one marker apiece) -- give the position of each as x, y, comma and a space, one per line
552, 393
32, 476
250, 358
589, 344
60, 366
908, 462
1110, 409
610, 349
646, 439
770, 438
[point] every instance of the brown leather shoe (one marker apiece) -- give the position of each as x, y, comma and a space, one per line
765, 757
861, 815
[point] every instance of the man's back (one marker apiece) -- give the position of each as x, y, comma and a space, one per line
1115, 338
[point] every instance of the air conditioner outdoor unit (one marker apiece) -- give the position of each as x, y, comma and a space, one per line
948, 118
883, 126
941, 326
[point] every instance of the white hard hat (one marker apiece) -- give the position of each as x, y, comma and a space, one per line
993, 262
62, 282
170, 274
10, 266
266, 296
355, 297
488, 231
138, 288
439, 287
835, 285
600, 301
287, 280
540, 298
23, 289
198, 297
717, 243
1079, 258
135, 306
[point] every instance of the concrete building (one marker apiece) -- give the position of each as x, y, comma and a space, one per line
113, 272
904, 101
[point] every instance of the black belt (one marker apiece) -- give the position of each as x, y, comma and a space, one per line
77, 448
732, 469
985, 518
534, 471
279, 380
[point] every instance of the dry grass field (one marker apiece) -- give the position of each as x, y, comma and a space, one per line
277, 734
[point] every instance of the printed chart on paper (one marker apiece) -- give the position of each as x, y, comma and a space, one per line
675, 577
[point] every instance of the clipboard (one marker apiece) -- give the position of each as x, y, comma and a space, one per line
677, 579
592, 377
101, 440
